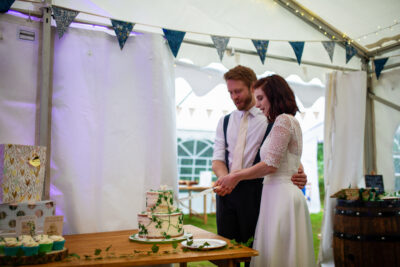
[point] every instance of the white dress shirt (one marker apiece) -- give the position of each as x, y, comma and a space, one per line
257, 125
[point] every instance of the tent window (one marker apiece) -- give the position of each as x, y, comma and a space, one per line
396, 159
194, 156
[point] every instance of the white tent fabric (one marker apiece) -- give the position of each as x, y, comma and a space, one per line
387, 121
364, 21
18, 83
343, 145
113, 122
201, 19
313, 127
204, 79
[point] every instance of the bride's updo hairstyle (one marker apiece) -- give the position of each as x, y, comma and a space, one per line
279, 94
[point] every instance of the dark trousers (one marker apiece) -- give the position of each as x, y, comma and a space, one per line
237, 213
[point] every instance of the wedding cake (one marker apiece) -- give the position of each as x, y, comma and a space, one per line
161, 218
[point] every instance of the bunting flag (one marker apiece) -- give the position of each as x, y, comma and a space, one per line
63, 18
298, 48
5, 5
262, 47
350, 52
220, 43
122, 31
379, 64
174, 39
329, 47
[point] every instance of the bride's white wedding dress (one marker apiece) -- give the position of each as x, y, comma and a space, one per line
283, 235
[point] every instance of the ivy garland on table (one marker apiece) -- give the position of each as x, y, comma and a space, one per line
154, 250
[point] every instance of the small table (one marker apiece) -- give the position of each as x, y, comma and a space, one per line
196, 189
86, 244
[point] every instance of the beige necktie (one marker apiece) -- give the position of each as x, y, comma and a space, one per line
237, 162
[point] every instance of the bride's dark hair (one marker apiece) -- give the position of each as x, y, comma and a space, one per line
279, 94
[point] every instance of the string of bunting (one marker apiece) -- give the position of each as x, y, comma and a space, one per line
64, 17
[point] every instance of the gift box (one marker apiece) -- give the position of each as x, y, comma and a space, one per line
22, 170
9, 213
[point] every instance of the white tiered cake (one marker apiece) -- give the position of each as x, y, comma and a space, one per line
162, 219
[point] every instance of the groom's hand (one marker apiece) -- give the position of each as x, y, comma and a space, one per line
299, 178
224, 185
222, 191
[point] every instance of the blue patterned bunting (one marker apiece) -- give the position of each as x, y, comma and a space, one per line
122, 30
329, 47
63, 18
350, 52
298, 48
220, 43
5, 5
262, 47
379, 64
174, 39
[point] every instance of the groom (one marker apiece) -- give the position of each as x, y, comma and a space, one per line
237, 211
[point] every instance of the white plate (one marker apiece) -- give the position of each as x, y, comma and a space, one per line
136, 238
391, 197
198, 243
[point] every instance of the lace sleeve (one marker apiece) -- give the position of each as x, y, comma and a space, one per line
278, 141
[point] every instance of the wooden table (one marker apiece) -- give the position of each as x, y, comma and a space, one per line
196, 189
86, 244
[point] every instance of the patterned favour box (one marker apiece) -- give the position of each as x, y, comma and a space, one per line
22, 170
9, 213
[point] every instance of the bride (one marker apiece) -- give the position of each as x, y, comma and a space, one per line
283, 235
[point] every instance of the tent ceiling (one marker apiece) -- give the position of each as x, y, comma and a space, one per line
366, 21
243, 20
252, 19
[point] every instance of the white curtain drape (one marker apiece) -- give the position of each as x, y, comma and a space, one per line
113, 127
387, 120
113, 120
309, 159
18, 81
343, 145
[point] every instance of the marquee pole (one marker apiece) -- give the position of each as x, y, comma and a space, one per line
44, 133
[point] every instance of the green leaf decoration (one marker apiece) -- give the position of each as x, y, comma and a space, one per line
189, 243
175, 244
185, 249
205, 244
108, 248
87, 257
155, 248
97, 251
165, 235
74, 255
249, 242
